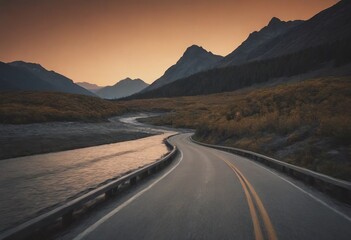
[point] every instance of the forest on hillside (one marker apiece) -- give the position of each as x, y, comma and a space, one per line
235, 77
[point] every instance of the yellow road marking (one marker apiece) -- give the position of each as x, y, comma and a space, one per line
255, 220
266, 220
263, 212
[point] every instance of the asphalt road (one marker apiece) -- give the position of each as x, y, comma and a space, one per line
210, 194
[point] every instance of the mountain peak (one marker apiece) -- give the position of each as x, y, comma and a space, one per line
195, 59
274, 21
122, 88
194, 49
89, 86
126, 79
34, 77
27, 65
194, 46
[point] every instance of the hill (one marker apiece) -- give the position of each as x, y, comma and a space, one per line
89, 86
122, 88
281, 38
331, 25
14, 79
256, 41
23, 76
280, 50
30, 107
195, 59
304, 123
231, 78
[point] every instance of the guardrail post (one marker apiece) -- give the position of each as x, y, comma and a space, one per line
341, 194
144, 174
133, 180
111, 192
310, 180
290, 172
347, 195
67, 218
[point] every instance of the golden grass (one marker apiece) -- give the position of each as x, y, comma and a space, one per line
282, 108
314, 112
305, 123
29, 107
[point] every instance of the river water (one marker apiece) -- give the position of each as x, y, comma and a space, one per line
29, 185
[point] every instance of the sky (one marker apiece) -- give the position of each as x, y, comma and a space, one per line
103, 41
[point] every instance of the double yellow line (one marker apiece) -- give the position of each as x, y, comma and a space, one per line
252, 196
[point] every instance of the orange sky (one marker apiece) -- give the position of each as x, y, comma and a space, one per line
103, 41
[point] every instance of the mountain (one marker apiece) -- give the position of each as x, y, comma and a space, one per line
123, 88
195, 59
256, 40
323, 59
320, 44
89, 86
19, 75
330, 25
15, 79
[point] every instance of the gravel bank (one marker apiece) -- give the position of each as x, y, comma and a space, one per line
29, 139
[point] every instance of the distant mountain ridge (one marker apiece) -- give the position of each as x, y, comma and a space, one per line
330, 25
122, 88
89, 86
256, 40
282, 49
195, 59
278, 50
24, 76
231, 78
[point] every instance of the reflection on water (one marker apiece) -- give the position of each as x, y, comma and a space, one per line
28, 184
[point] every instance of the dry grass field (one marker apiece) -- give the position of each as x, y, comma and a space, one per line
30, 107
304, 123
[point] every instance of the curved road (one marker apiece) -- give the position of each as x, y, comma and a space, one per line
210, 194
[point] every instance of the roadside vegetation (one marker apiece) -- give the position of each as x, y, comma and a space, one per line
304, 123
30, 107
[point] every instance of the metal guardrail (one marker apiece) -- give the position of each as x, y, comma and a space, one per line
65, 211
334, 187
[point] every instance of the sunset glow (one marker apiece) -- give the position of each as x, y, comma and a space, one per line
105, 41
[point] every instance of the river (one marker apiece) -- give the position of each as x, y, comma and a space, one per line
30, 185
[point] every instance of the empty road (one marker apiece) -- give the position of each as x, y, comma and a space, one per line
210, 194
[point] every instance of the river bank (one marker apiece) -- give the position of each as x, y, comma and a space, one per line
37, 138
35, 184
